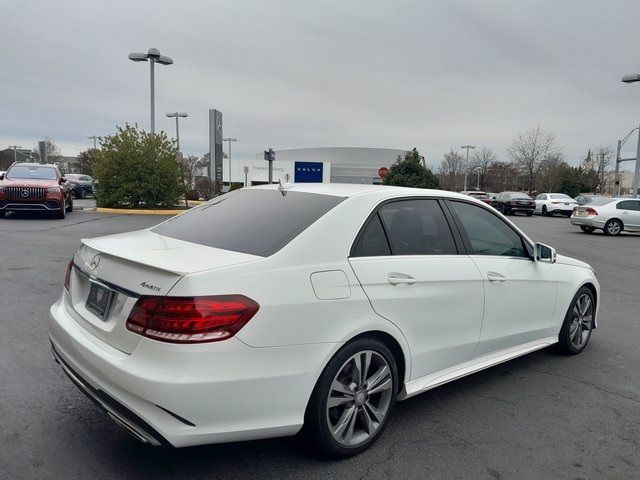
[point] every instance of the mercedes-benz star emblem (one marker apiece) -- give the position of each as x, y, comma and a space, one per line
24, 193
93, 264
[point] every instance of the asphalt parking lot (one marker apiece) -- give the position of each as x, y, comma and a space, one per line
539, 416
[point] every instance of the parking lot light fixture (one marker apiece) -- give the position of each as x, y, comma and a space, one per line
152, 56
177, 115
466, 165
229, 139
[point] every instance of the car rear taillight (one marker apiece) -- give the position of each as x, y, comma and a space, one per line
191, 319
67, 276
591, 211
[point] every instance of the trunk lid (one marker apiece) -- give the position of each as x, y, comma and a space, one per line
110, 274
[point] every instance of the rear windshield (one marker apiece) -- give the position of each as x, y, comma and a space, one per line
258, 222
479, 195
520, 195
561, 195
33, 172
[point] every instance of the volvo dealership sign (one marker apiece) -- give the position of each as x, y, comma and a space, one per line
308, 172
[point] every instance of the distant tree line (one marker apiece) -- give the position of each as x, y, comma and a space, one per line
534, 163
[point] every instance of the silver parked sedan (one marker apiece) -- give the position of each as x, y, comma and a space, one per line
612, 215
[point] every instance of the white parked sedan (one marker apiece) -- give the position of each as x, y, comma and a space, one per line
612, 215
550, 203
317, 304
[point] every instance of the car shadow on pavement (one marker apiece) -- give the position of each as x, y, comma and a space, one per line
265, 458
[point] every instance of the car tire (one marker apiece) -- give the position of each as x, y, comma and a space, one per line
587, 229
80, 194
61, 213
506, 211
529, 214
613, 227
3, 213
358, 416
545, 212
578, 323
70, 205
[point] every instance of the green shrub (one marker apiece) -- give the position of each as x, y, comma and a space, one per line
137, 169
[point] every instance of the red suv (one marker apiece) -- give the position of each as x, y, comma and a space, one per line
33, 186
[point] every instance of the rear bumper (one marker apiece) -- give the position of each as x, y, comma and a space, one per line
182, 395
587, 222
560, 208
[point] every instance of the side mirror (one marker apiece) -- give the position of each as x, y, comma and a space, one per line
62, 180
1, 176
545, 253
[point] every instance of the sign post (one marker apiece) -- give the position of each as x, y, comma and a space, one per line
215, 149
382, 172
270, 156
246, 171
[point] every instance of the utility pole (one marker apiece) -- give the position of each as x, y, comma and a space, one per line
15, 154
94, 138
466, 165
616, 176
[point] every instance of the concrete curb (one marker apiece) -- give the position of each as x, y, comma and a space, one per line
132, 211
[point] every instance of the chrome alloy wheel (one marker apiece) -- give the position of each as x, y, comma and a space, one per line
359, 398
581, 321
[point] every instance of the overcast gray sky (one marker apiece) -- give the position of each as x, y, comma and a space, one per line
292, 74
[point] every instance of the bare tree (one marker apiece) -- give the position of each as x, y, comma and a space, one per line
603, 156
451, 171
192, 166
51, 149
480, 161
531, 149
501, 176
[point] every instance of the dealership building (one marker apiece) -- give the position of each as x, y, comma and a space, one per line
326, 164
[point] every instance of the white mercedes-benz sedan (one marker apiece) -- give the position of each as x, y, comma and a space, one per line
318, 305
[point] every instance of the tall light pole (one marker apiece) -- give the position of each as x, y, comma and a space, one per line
15, 155
152, 56
177, 115
230, 139
478, 170
94, 138
467, 148
633, 78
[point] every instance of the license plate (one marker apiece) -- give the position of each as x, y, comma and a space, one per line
581, 214
99, 300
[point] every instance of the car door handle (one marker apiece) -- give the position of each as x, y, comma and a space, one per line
400, 279
495, 277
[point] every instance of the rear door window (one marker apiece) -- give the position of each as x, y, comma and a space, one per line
628, 205
258, 222
417, 227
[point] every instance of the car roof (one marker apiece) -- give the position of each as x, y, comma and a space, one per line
351, 190
33, 164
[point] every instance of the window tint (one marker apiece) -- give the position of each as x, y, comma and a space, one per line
372, 241
628, 205
259, 222
559, 196
542, 196
488, 234
519, 195
417, 227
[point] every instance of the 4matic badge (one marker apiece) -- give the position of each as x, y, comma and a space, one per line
150, 287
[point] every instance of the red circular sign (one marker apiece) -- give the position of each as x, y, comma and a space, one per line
382, 172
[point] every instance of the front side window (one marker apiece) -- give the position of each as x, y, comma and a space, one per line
417, 227
628, 205
488, 234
